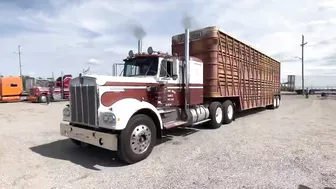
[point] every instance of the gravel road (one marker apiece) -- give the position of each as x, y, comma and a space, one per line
283, 148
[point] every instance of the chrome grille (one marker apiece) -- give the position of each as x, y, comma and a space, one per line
84, 104
31, 91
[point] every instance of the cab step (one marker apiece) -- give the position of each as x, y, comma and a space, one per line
172, 124
200, 122
166, 111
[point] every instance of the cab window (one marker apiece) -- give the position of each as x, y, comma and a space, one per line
166, 69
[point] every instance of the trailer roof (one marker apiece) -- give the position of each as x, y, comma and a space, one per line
180, 37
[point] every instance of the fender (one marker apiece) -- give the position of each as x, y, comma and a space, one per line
124, 109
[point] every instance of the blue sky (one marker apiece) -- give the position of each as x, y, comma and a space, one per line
62, 35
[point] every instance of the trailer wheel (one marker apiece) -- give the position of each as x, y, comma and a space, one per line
216, 115
228, 112
43, 98
277, 102
137, 140
273, 105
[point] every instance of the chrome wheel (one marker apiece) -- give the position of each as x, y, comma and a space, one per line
219, 115
140, 139
43, 98
230, 111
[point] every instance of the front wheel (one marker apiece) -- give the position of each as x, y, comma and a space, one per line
137, 140
43, 98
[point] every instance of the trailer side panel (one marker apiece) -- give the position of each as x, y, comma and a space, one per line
232, 68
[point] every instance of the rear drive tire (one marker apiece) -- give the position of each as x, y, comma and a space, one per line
228, 112
137, 140
216, 115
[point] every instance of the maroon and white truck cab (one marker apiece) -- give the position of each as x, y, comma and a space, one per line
153, 85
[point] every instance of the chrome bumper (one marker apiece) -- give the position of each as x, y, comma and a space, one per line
100, 139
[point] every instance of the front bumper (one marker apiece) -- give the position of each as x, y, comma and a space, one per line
32, 98
100, 139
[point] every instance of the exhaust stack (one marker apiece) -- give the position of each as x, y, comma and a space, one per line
139, 46
186, 67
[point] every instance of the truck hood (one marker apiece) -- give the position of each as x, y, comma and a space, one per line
102, 80
40, 88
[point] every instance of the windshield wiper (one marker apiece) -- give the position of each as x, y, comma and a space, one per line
149, 67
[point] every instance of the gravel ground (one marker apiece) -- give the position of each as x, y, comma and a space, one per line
283, 148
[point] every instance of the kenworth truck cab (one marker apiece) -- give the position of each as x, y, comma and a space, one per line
127, 114
161, 91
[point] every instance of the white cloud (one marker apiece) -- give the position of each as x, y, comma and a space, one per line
63, 36
94, 62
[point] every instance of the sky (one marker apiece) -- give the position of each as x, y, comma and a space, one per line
69, 36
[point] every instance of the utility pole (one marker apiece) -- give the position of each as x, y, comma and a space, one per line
19, 53
302, 60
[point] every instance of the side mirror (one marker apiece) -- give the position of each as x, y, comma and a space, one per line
174, 77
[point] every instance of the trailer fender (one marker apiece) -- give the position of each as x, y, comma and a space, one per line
124, 109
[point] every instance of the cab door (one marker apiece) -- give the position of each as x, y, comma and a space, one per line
169, 86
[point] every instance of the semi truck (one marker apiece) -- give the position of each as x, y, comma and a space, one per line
58, 90
12, 89
208, 77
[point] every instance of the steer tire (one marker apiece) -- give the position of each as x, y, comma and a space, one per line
43, 98
213, 108
125, 150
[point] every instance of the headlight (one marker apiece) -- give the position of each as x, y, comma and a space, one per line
106, 118
66, 112
109, 118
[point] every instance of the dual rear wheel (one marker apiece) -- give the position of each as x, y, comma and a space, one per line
220, 113
275, 104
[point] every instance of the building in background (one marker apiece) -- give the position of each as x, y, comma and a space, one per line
289, 85
294, 82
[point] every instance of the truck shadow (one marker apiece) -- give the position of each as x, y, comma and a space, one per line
91, 156
306, 187
87, 157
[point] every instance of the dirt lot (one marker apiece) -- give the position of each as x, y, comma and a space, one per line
284, 148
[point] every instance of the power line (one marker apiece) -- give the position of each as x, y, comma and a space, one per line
303, 43
19, 53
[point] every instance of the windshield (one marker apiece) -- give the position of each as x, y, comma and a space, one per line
42, 83
141, 66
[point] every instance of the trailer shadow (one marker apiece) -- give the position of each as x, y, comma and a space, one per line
249, 112
91, 156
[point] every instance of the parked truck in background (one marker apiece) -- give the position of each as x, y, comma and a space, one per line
12, 89
160, 91
58, 90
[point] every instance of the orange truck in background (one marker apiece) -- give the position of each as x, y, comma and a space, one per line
11, 89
